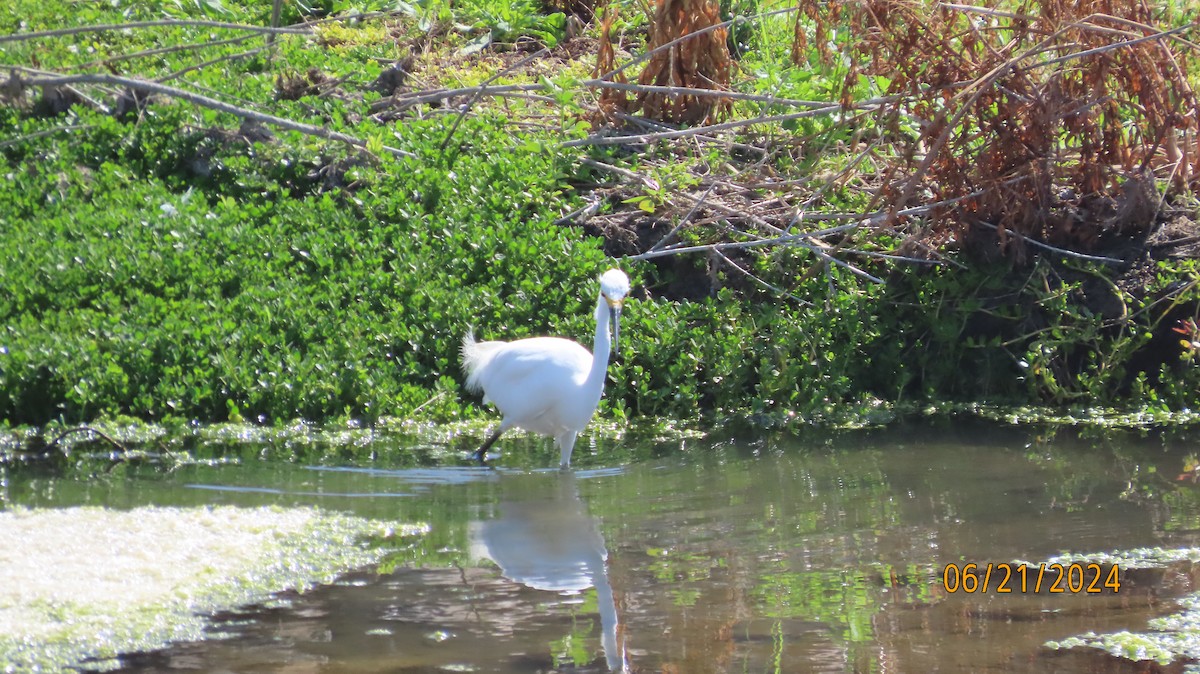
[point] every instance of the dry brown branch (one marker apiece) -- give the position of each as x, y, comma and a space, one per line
164, 50
53, 444
610, 101
205, 102
1058, 107
700, 130
686, 52
104, 28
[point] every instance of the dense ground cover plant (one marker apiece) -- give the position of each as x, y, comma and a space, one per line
171, 260
126, 295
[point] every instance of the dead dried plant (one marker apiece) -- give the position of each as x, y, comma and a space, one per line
610, 101
1057, 115
688, 49
699, 63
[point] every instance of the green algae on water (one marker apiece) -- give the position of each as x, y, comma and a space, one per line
1166, 639
87, 584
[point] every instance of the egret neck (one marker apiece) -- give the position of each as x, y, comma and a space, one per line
608, 312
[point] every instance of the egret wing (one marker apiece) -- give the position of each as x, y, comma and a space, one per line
530, 378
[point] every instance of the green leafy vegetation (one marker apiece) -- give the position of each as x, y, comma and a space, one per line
173, 261
128, 296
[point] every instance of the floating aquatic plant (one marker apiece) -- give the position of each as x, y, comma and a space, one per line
1166, 639
83, 585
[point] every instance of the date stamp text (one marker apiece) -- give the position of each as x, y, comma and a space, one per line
1005, 578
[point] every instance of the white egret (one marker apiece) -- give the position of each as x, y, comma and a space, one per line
547, 385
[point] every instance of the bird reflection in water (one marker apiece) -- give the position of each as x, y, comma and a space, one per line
545, 539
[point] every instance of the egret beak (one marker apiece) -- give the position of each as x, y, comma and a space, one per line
614, 315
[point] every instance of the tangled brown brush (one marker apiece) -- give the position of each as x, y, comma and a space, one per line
1047, 118
701, 61
611, 100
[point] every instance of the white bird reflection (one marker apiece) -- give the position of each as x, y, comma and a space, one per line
546, 540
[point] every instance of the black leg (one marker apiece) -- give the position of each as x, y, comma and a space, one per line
481, 453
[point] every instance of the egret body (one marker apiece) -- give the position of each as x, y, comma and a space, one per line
547, 385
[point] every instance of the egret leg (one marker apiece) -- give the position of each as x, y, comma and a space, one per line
481, 453
566, 443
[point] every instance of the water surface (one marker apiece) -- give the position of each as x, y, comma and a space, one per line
771, 553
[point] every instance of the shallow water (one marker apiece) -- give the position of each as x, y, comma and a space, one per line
768, 554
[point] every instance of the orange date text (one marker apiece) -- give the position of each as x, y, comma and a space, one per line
1006, 578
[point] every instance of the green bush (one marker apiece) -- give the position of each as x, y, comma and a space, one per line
128, 293
169, 263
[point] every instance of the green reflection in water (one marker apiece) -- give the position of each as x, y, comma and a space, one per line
750, 553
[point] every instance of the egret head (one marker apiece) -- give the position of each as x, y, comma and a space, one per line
614, 286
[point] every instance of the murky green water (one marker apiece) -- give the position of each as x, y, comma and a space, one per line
771, 554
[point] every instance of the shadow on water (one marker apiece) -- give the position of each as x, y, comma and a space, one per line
740, 554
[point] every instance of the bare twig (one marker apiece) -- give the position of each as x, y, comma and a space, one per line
419, 97
586, 212
861, 221
845, 171
651, 124
435, 398
894, 258
204, 64
276, 9
416, 98
712, 93
840, 263
748, 216
699, 130
206, 102
987, 11
165, 50
17, 71
466, 108
1186, 241
759, 281
103, 28
1054, 249
53, 444
684, 220
785, 239
1112, 46
631, 176
45, 132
